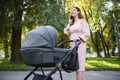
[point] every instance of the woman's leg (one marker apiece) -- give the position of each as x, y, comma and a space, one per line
80, 75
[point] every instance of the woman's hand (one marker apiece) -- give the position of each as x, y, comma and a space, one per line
70, 19
68, 29
76, 39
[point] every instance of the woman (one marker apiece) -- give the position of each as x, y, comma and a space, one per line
78, 28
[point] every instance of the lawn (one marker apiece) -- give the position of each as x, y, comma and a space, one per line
91, 62
109, 62
5, 63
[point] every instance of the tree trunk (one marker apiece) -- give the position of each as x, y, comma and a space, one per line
103, 44
6, 45
16, 44
113, 50
97, 44
16, 32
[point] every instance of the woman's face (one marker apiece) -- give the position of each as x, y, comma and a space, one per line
74, 12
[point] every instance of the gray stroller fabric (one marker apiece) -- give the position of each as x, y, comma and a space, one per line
43, 36
39, 48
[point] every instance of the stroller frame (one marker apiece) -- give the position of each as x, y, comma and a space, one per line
58, 66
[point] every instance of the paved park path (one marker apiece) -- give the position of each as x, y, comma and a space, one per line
89, 75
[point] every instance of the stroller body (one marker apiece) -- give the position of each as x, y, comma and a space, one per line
38, 50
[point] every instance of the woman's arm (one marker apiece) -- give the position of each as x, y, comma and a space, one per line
85, 31
67, 29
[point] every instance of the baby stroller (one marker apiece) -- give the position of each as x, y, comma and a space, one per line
38, 50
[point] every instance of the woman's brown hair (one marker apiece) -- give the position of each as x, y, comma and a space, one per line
79, 15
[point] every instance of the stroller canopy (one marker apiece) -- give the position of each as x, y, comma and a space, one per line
43, 36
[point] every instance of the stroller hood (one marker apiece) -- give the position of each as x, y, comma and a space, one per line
43, 36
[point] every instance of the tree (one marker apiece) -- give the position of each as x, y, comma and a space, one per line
116, 11
98, 23
5, 16
16, 31
36, 13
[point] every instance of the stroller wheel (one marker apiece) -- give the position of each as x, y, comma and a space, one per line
40, 77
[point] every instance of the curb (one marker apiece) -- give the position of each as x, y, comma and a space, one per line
102, 69
49, 69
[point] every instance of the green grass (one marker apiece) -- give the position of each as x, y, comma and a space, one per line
5, 63
91, 62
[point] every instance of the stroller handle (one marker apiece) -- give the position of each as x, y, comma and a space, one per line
66, 41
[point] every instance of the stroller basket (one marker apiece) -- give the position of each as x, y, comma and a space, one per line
44, 57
